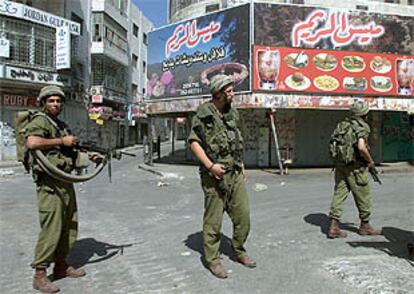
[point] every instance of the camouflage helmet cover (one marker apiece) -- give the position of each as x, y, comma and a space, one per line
218, 82
50, 91
359, 108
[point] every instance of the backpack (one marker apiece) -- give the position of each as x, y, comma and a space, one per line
342, 144
21, 120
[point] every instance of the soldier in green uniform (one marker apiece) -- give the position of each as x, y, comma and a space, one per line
217, 143
354, 177
56, 200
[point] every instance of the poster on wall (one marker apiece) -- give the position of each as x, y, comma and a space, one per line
329, 71
183, 57
329, 28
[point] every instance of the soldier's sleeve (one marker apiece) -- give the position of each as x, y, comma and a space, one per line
37, 127
196, 130
363, 132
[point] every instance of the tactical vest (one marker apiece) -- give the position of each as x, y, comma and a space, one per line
221, 138
60, 156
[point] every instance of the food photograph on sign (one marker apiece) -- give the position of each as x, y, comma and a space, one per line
324, 71
326, 50
332, 29
183, 57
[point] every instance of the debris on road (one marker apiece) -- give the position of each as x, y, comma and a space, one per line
162, 184
259, 187
6, 172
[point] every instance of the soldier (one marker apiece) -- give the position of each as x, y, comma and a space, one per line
354, 176
217, 143
56, 200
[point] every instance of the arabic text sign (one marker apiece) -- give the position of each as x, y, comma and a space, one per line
326, 71
335, 26
183, 57
34, 76
38, 16
329, 28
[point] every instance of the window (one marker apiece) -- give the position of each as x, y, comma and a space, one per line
145, 39
135, 30
134, 90
144, 65
212, 7
134, 60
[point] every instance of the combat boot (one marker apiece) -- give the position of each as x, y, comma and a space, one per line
62, 270
366, 229
218, 270
42, 283
334, 231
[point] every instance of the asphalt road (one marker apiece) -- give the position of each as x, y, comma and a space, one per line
142, 234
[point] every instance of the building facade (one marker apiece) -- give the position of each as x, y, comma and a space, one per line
29, 60
101, 69
283, 118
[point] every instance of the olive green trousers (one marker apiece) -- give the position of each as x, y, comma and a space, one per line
58, 221
355, 180
235, 203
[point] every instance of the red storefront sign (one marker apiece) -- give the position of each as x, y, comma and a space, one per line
328, 71
18, 100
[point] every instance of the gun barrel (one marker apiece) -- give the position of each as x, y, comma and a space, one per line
129, 154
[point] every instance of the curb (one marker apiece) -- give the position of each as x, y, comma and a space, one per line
147, 168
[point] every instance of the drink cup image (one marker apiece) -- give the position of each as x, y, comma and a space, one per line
268, 63
405, 76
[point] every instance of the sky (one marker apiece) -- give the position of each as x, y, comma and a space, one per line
154, 10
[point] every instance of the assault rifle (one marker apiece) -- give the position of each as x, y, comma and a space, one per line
374, 174
108, 154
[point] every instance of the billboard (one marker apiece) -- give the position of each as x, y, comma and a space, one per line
330, 28
183, 57
290, 69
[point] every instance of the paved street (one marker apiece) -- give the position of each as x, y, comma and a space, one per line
142, 234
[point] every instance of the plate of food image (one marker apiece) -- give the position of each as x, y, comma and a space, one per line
326, 83
325, 61
296, 60
355, 83
353, 63
298, 81
381, 84
380, 64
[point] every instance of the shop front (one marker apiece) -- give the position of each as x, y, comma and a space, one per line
295, 76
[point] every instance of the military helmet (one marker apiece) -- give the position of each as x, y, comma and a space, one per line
359, 108
50, 91
218, 82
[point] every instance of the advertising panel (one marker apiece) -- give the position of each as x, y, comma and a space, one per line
62, 48
329, 28
184, 56
326, 71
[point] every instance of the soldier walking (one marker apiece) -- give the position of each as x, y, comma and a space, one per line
353, 176
217, 143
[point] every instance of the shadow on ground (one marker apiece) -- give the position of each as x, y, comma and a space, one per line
195, 242
399, 243
322, 220
85, 251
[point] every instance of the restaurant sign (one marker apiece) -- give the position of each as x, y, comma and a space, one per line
327, 71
